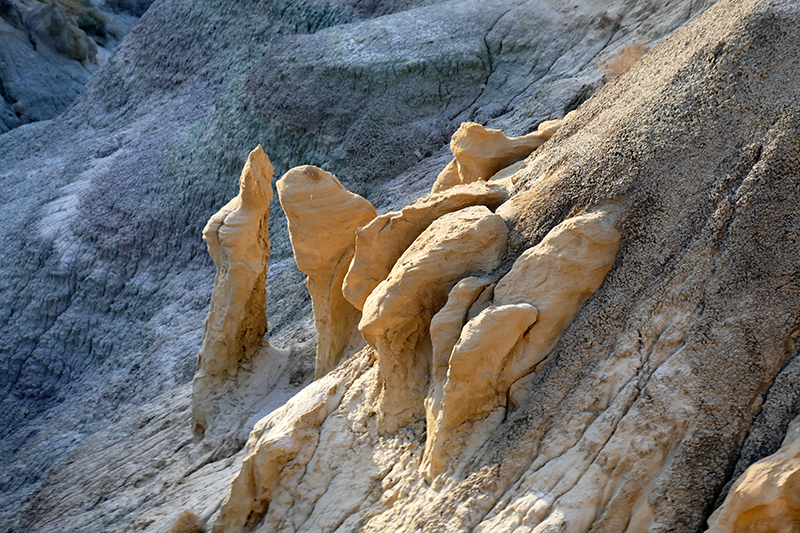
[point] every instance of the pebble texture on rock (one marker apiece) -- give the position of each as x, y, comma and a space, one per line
323, 219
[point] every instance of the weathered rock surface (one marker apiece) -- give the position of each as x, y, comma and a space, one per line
397, 314
237, 237
104, 284
47, 53
546, 285
288, 437
767, 496
480, 152
556, 276
323, 218
476, 386
635, 418
380, 243
447, 323
51, 28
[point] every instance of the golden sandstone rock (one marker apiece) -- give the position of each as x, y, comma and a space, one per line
474, 388
380, 243
398, 312
767, 496
323, 218
557, 276
238, 241
533, 304
480, 152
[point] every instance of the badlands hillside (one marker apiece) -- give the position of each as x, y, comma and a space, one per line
402, 319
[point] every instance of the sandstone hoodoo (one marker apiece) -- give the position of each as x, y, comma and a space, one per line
480, 152
380, 243
398, 312
323, 218
498, 350
238, 240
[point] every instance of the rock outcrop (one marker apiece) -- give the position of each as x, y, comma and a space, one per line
476, 386
767, 496
238, 240
480, 152
48, 50
288, 436
651, 295
323, 218
533, 304
50, 27
380, 243
626, 424
397, 314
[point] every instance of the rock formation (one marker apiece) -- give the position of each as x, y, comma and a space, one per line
380, 243
475, 387
650, 295
289, 435
447, 323
323, 218
398, 312
767, 496
501, 345
633, 421
480, 152
48, 50
238, 240
50, 27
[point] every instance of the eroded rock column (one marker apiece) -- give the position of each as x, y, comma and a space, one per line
397, 314
323, 218
238, 240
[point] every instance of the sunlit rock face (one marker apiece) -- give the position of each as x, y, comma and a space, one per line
767, 496
479, 152
397, 314
323, 219
380, 243
498, 349
238, 240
